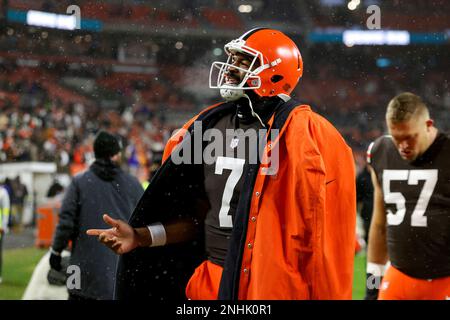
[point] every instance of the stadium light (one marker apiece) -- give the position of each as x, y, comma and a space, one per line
51, 20
353, 4
376, 37
179, 45
245, 8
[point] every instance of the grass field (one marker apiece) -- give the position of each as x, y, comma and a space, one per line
359, 277
19, 264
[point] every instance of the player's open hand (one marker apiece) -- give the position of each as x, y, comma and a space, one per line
121, 238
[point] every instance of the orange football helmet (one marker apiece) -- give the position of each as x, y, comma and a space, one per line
275, 70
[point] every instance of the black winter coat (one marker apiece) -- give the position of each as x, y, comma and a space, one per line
102, 189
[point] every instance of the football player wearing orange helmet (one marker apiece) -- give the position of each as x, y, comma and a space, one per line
231, 228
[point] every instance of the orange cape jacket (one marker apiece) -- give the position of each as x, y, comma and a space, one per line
296, 232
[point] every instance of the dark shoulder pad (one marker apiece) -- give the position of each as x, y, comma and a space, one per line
374, 148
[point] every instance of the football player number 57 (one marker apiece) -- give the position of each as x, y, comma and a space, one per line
237, 167
418, 219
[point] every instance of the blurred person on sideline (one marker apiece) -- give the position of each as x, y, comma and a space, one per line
18, 200
103, 188
4, 218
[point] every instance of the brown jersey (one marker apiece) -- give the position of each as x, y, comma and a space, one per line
417, 202
224, 180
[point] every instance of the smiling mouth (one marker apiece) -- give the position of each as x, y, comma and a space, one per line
231, 78
231, 81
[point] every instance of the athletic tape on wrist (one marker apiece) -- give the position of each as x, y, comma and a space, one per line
375, 269
158, 234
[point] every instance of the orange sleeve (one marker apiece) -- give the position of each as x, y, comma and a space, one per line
326, 197
338, 217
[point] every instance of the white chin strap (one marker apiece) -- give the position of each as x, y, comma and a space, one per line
253, 111
235, 94
231, 94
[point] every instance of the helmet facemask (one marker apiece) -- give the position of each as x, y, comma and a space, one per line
250, 81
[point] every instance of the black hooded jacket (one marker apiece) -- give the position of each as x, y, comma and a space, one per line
104, 188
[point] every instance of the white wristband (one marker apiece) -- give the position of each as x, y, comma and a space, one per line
158, 234
376, 269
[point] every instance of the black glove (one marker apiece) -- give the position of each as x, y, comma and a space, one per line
373, 284
59, 277
56, 278
55, 260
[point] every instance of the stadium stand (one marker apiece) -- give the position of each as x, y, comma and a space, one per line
58, 87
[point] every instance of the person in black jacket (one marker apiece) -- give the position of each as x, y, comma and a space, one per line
364, 198
104, 188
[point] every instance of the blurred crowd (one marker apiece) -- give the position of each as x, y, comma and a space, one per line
43, 118
351, 87
37, 125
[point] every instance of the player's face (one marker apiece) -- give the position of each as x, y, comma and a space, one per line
234, 76
410, 137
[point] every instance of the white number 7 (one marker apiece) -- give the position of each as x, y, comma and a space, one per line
237, 167
413, 176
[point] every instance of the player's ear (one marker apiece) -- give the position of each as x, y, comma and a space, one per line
429, 123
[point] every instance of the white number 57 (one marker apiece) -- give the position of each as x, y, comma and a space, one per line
412, 176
